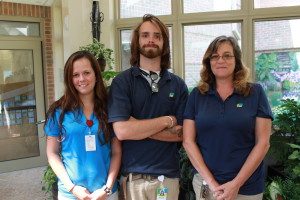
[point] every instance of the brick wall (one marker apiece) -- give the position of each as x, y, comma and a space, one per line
270, 35
44, 13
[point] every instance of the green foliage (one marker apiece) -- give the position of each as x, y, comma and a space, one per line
276, 110
49, 179
288, 85
294, 162
294, 62
265, 63
286, 128
186, 170
107, 75
190, 89
285, 188
285, 147
288, 122
100, 52
275, 98
186, 175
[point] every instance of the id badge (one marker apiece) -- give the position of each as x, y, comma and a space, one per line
162, 194
90, 143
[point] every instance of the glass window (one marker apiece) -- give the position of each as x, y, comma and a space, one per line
125, 47
277, 3
277, 59
171, 48
138, 8
19, 135
196, 40
193, 6
9, 28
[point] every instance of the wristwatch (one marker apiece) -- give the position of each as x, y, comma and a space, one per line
107, 190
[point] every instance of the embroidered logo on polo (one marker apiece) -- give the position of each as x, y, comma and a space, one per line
171, 94
239, 105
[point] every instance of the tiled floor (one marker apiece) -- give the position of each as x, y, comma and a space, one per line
22, 185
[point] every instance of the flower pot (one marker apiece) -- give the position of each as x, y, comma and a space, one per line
102, 64
54, 191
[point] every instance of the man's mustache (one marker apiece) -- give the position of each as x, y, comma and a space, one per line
150, 45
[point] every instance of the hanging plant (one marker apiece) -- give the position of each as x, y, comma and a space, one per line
100, 52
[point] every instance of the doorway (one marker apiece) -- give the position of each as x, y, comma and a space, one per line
22, 141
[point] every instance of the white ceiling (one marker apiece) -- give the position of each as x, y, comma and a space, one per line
33, 2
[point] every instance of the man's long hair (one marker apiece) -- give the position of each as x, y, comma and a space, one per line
241, 73
135, 47
70, 101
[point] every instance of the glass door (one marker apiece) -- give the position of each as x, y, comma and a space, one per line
22, 144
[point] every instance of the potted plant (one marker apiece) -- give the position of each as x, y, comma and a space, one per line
285, 149
286, 131
104, 57
102, 54
49, 183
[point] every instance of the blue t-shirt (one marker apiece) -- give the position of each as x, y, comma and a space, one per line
226, 132
131, 95
85, 168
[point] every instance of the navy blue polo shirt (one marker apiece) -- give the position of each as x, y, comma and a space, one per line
131, 95
226, 132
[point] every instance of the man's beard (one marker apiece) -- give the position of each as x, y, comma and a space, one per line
151, 53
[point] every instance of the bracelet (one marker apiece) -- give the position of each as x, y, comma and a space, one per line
172, 121
106, 190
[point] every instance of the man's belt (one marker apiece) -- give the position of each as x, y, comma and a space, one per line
136, 176
128, 177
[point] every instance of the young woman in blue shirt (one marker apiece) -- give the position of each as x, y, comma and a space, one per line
81, 148
226, 129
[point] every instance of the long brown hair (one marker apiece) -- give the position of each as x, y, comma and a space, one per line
241, 73
135, 47
70, 101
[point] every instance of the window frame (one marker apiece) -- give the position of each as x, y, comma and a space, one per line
247, 16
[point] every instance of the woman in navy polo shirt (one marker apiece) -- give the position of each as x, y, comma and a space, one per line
227, 127
89, 160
